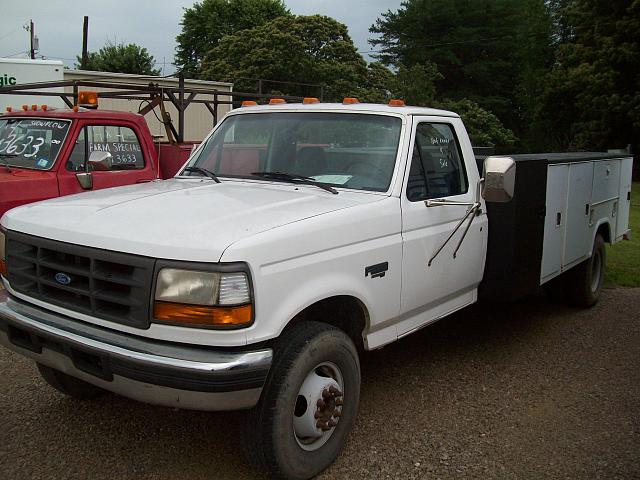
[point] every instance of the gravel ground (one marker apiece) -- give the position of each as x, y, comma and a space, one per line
530, 390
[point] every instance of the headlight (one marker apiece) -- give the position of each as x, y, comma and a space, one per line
200, 298
3, 258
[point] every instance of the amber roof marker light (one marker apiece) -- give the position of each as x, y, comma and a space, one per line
309, 100
277, 101
396, 102
249, 103
350, 100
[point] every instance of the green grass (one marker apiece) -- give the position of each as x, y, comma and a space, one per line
623, 258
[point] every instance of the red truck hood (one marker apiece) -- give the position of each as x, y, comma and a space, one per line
20, 186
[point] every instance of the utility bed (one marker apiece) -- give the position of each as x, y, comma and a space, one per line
560, 201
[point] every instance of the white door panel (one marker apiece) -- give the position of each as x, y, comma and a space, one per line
429, 292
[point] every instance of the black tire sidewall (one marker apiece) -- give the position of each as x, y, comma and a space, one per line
583, 296
327, 345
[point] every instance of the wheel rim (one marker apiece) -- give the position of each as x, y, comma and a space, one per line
596, 271
318, 406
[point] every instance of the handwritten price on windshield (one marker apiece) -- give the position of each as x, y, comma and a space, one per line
12, 147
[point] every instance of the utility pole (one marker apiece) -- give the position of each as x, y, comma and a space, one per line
85, 35
32, 50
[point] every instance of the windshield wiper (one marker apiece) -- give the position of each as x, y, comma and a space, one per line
203, 171
294, 178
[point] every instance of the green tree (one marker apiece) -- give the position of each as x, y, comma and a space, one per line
488, 51
591, 98
304, 49
122, 58
207, 22
483, 127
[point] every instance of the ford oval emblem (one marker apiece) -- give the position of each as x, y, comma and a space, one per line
62, 278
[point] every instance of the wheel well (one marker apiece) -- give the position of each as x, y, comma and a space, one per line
344, 312
604, 231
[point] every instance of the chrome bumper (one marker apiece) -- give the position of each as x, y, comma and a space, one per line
151, 371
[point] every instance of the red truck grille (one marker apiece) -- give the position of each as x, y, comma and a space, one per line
109, 285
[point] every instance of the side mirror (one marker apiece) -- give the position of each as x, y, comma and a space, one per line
499, 179
85, 180
100, 161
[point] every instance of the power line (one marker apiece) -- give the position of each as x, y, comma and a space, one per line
10, 33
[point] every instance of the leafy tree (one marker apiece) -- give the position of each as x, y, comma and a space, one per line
591, 98
129, 58
489, 51
205, 23
484, 128
304, 49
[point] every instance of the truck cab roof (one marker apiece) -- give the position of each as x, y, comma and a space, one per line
350, 107
82, 113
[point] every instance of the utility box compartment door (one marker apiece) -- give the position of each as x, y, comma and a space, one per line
577, 245
554, 223
606, 180
624, 203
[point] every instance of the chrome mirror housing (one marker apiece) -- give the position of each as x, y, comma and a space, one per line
499, 179
100, 161
85, 180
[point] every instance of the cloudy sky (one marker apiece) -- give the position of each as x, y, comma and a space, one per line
153, 24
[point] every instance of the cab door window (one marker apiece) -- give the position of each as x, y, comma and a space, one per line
121, 142
437, 169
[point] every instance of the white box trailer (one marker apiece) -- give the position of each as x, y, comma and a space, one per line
20, 71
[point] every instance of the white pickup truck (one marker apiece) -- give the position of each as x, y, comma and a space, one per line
296, 237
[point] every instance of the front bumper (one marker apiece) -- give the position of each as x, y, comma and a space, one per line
156, 372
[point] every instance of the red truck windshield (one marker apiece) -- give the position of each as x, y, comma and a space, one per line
31, 142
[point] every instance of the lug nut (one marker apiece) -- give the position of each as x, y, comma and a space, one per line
332, 423
334, 390
339, 401
337, 413
320, 403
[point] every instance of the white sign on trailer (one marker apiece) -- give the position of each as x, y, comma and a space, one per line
19, 71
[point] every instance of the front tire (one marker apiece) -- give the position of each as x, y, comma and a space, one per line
586, 279
71, 386
308, 405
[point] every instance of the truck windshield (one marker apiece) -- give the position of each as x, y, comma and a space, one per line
31, 142
346, 150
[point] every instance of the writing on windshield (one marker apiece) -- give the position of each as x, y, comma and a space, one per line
31, 142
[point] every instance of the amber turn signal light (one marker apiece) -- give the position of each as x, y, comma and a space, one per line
202, 315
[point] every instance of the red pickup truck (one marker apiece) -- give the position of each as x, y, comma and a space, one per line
46, 153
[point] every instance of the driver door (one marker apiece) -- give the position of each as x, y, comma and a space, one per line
437, 170
129, 164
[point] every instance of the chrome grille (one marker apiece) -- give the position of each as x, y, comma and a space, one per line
109, 285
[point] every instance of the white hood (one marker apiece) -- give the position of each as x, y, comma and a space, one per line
176, 219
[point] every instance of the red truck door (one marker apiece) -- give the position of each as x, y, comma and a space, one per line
129, 163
